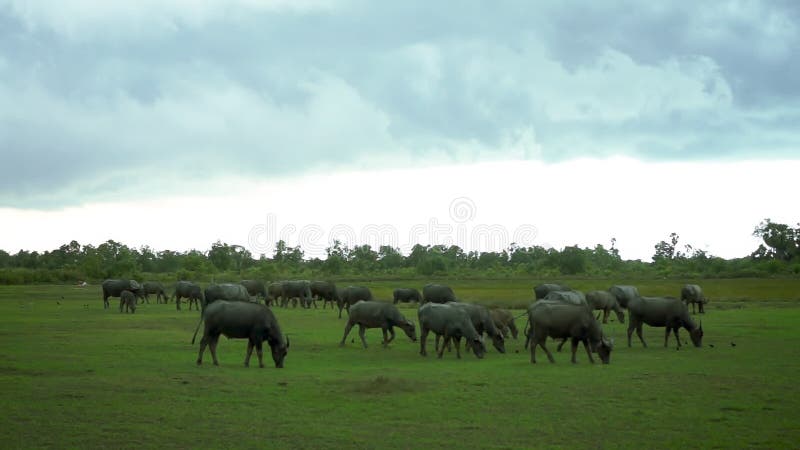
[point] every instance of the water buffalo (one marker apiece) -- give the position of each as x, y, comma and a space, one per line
294, 291
275, 291
483, 323
190, 291
113, 288
128, 299
452, 323
504, 321
668, 312
326, 291
561, 320
242, 320
225, 291
351, 295
256, 288
154, 287
541, 290
691, 293
372, 314
406, 295
624, 294
605, 302
437, 293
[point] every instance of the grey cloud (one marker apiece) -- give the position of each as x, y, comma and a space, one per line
96, 108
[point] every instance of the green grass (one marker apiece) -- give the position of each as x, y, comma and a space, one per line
74, 376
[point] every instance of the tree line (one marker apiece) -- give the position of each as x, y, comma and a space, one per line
777, 255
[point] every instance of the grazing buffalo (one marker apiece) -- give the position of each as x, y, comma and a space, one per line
624, 294
225, 291
113, 288
568, 297
351, 295
668, 312
452, 323
691, 293
256, 288
483, 323
371, 314
325, 291
437, 293
406, 295
605, 302
127, 299
154, 287
504, 321
296, 290
275, 291
190, 291
561, 320
242, 320
541, 290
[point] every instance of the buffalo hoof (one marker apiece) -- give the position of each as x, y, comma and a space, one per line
199, 363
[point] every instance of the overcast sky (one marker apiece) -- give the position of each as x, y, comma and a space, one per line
116, 117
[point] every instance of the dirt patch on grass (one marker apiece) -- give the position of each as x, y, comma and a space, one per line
382, 385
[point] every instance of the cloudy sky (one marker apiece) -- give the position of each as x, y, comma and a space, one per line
174, 123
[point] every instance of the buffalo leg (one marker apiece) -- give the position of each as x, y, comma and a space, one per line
178, 304
605, 315
391, 334
678, 339
561, 344
588, 350
639, 333
249, 353
121, 303
549, 355
666, 336
598, 314
212, 345
203, 343
574, 348
260, 353
533, 350
361, 330
423, 336
458, 347
347, 329
441, 350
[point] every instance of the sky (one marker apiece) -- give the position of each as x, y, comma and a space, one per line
176, 123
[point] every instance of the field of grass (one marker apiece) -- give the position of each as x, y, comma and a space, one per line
75, 376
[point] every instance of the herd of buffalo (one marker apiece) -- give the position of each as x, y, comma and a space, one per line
559, 312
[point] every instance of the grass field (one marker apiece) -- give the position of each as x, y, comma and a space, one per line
75, 376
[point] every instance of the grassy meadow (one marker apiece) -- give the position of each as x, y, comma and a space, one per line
74, 375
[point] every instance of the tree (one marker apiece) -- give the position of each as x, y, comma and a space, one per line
782, 241
666, 250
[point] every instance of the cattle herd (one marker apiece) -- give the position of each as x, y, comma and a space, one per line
559, 312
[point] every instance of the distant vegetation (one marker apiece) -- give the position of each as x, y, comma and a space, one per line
778, 255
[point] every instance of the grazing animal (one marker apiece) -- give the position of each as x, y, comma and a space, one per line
325, 291
257, 289
351, 295
372, 314
692, 293
225, 291
561, 320
483, 323
668, 312
192, 292
406, 295
127, 299
113, 288
605, 302
541, 290
275, 291
504, 321
569, 297
452, 323
624, 294
296, 290
242, 320
154, 287
437, 293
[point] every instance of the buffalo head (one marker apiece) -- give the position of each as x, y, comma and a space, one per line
697, 335
279, 352
410, 329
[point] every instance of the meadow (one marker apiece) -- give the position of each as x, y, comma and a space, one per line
74, 375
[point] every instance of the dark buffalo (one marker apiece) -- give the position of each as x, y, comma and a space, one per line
154, 287
406, 295
351, 295
668, 312
437, 293
692, 293
325, 291
483, 323
190, 291
504, 321
127, 299
242, 320
257, 289
451, 322
624, 294
381, 315
296, 290
605, 302
561, 320
113, 288
275, 292
225, 291
541, 290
